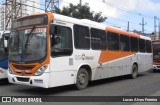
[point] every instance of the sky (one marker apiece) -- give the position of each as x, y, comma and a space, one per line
119, 12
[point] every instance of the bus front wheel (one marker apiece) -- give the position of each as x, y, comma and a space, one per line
134, 73
82, 79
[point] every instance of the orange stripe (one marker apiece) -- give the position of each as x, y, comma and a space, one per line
112, 55
118, 31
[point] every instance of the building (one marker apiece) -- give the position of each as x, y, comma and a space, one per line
27, 7
2, 17
30, 7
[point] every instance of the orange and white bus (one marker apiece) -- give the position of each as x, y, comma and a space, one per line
49, 50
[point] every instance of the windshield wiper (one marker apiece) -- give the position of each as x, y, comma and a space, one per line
28, 35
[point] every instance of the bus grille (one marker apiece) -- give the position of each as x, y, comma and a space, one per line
20, 67
23, 79
20, 73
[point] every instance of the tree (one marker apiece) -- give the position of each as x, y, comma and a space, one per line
81, 12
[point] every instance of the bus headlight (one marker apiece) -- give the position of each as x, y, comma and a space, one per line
41, 70
10, 70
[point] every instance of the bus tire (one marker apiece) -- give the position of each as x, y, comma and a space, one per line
134, 73
82, 79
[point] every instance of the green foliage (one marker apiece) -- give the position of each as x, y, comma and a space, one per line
81, 12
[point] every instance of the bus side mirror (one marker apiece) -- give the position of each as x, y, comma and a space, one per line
6, 42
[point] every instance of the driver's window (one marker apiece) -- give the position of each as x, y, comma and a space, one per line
61, 41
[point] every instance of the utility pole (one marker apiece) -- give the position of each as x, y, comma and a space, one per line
159, 29
80, 2
155, 26
52, 8
128, 26
143, 24
51, 5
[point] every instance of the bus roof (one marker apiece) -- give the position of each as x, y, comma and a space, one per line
85, 22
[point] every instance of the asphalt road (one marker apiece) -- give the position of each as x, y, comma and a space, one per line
147, 84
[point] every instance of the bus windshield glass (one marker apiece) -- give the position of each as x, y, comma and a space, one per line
156, 50
28, 45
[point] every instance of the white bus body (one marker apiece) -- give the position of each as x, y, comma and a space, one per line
99, 64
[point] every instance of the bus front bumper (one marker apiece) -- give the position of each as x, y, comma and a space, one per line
38, 81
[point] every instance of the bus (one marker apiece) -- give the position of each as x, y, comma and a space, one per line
156, 55
4, 36
49, 50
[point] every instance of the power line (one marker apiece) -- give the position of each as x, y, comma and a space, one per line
36, 2
118, 18
124, 9
107, 3
131, 23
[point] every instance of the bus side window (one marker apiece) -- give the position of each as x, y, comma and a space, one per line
148, 46
98, 39
124, 43
81, 37
134, 44
113, 41
61, 41
142, 46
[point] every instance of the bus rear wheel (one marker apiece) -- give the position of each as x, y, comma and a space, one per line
134, 73
82, 79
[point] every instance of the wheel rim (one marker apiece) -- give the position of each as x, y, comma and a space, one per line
82, 78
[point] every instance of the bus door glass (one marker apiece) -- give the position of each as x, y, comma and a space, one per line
61, 40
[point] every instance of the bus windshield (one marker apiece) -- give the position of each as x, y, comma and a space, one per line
156, 50
28, 45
